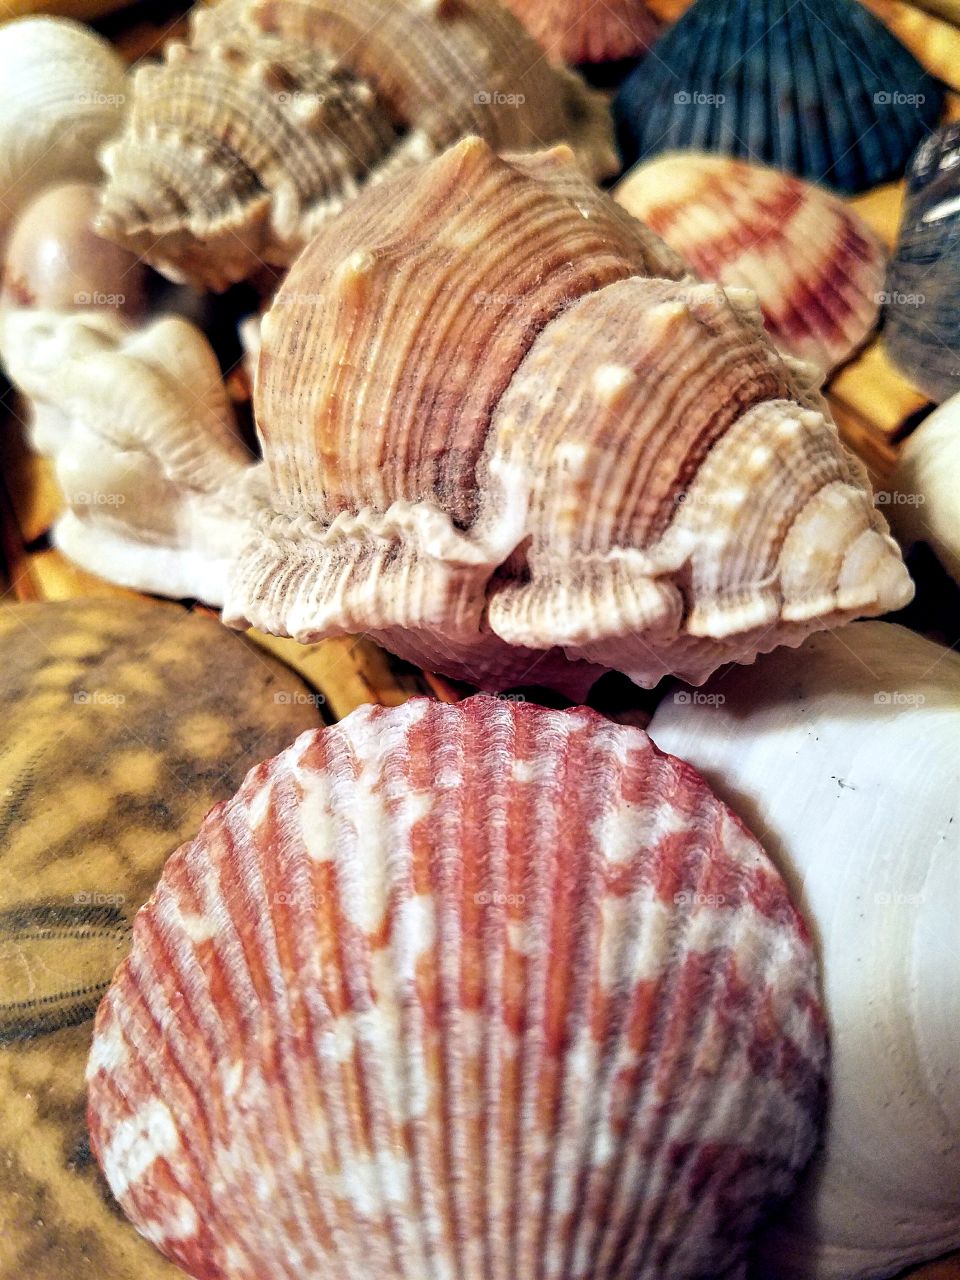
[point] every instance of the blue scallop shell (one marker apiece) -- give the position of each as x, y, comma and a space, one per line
922, 304
823, 90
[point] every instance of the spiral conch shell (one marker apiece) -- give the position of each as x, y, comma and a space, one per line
157, 481
273, 116
494, 440
816, 267
802, 747
466, 991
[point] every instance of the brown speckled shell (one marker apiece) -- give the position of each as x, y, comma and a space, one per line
501, 428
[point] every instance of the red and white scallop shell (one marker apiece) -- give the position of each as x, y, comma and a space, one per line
816, 267
577, 31
466, 991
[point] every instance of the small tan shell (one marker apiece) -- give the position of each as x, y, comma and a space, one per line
816, 267
577, 31
273, 116
493, 442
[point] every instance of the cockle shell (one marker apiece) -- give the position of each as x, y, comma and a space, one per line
827, 93
157, 481
476, 990
494, 441
922, 314
62, 94
843, 757
816, 267
576, 31
273, 116
924, 499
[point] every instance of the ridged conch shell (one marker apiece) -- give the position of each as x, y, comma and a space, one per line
829, 94
543, 451
575, 32
924, 499
467, 991
816, 267
158, 484
273, 116
62, 94
843, 756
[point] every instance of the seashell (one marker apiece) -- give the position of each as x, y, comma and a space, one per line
55, 261
124, 721
544, 460
156, 478
62, 91
924, 502
274, 116
478, 990
803, 747
922, 313
574, 32
830, 95
816, 267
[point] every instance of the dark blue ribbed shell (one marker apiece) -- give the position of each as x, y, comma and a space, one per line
820, 88
922, 308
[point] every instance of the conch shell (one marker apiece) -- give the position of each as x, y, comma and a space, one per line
574, 31
62, 95
843, 757
924, 499
816, 267
496, 441
157, 481
272, 117
481, 991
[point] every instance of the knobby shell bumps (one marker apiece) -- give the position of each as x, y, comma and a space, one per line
507, 438
274, 115
816, 267
464, 991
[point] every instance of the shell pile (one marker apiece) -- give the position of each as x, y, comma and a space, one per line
560, 450
816, 267
574, 32
468, 991
272, 117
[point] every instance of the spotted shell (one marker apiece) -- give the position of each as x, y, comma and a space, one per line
505, 437
480, 990
576, 32
816, 267
272, 117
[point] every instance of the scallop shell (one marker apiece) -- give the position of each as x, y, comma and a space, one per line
480, 990
825, 92
494, 441
62, 94
576, 32
158, 484
272, 117
816, 267
845, 756
924, 500
922, 312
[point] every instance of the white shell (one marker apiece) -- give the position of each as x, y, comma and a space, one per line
144, 442
924, 502
843, 758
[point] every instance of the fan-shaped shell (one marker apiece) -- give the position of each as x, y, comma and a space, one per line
827, 93
272, 117
922, 313
574, 31
844, 756
491, 441
924, 500
816, 267
62, 95
479, 991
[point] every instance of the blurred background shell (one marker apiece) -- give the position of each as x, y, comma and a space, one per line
124, 721
826, 93
843, 758
816, 267
575, 32
486, 990
925, 496
922, 313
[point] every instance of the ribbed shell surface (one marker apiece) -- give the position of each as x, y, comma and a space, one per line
461, 991
576, 31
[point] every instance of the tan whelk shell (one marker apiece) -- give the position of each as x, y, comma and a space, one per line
496, 443
578, 31
274, 116
816, 267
